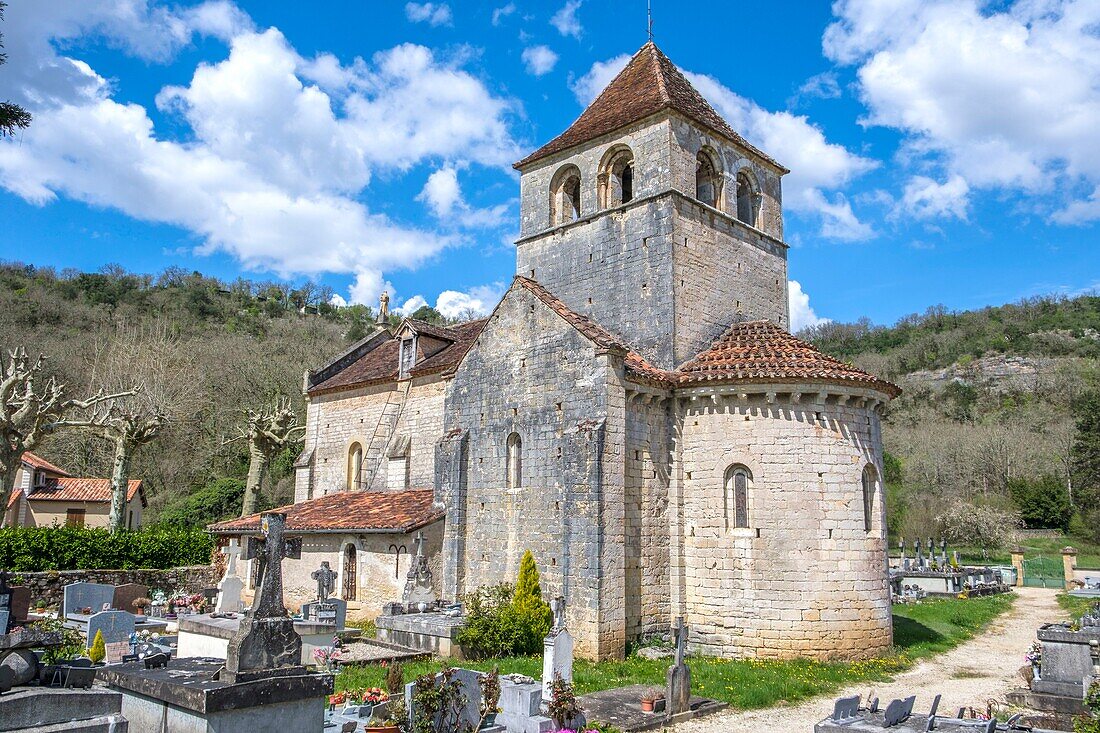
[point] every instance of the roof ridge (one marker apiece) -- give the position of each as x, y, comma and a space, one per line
658, 69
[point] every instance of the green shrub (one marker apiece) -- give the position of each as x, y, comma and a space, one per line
505, 620
1043, 502
218, 500
535, 616
97, 652
34, 549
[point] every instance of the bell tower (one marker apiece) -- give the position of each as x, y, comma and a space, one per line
654, 218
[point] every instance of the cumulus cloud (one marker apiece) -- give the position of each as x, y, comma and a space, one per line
924, 198
566, 21
539, 60
275, 169
588, 86
503, 12
995, 97
802, 315
430, 13
443, 196
478, 301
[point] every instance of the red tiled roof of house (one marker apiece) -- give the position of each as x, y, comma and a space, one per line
648, 84
348, 511
379, 365
14, 497
760, 351
35, 461
82, 489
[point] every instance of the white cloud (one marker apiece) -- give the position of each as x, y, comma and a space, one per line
539, 60
503, 12
823, 85
430, 13
337, 301
802, 315
441, 192
1002, 97
565, 20
588, 86
271, 172
411, 305
479, 301
924, 198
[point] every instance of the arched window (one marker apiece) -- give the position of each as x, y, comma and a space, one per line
565, 196
746, 199
355, 467
708, 182
736, 496
350, 572
870, 484
616, 179
515, 461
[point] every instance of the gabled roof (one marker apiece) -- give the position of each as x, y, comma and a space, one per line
649, 83
82, 489
760, 351
40, 463
378, 364
349, 511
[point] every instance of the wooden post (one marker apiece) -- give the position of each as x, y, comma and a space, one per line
1018, 563
1069, 564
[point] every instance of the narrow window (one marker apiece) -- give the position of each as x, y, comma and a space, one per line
746, 200
407, 358
349, 572
706, 179
738, 480
870, 481
515, 461
565, 196
74, 517
355, 467
616, 178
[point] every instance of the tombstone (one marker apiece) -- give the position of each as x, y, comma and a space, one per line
521, 705
418, 582
678, 678
557, 650
333, 611
230, 586
468, 717
266, 644
845, 709
117, 626
919, 554
126, 594
85, 595
326, 580
898, 711
6, 618
20, 604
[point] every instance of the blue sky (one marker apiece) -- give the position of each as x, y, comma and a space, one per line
941, 152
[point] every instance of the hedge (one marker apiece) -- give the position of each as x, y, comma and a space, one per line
34, 549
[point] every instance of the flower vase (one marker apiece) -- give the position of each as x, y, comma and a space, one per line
1035, 670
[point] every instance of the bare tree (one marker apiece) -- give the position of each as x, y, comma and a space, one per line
268, 431
29, 411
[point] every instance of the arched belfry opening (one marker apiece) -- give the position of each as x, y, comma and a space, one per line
565, 196
708, 180
616, 178
746, 199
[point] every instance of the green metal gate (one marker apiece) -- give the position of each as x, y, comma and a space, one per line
1044, 572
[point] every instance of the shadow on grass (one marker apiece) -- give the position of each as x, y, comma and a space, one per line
909, 633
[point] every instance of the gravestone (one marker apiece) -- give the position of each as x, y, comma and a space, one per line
117, 627
418, 581
845, 709
326, 580
20, 604
86, 595
467, 716
266, 644
678, 678
126, 594
333, 611
557, 650
230, 587
521, 705
6, 619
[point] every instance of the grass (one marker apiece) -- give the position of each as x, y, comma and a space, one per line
919, 631
1073, 606
1088, 553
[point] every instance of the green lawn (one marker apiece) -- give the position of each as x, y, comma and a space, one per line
1088, 554
1075, 607
920, 630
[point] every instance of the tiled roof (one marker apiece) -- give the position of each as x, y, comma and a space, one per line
379, 365
81, 489
649, 83
397, 511
41, 463
14, 497
760, 351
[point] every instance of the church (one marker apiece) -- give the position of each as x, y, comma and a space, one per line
634, 411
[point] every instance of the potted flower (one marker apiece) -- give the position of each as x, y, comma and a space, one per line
653, 701
490, 696
141, 604
381, 725
40, 606
1034, 657
327, 657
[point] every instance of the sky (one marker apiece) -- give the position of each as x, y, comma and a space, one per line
940, 152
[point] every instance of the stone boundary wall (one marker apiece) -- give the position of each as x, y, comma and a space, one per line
50, 585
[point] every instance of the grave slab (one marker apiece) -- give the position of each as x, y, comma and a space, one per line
621, 708
116, 627
38, 710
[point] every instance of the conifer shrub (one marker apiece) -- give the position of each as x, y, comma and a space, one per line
97, 652
507, 620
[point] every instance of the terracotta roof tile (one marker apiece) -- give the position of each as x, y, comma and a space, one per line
649, 83
379, 365
14, 497
81, 489
35, 461
397, 511
760, 351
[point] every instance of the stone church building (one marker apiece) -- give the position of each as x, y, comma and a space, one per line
634, 410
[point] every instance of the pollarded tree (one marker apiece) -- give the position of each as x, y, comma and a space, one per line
29, 410
268, 431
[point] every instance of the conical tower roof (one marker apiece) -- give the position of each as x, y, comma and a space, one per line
648, 84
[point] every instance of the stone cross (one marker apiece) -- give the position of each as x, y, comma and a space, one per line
418, 581
557, 607
266, 644
557, 650
678, 678
918, 553
231, 551
326, 580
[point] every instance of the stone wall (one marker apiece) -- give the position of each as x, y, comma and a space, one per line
50, 585
805, 578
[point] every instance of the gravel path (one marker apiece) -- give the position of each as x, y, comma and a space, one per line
984, 668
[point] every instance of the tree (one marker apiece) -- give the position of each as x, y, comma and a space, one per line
12, 116
28, 412
1043, 502
978, 525
429, 315
97, 652
220, 499
534, 613
268, 431
1085, 451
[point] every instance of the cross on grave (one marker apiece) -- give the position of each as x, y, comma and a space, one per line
266, 644
326, 580
678, 678
231, 551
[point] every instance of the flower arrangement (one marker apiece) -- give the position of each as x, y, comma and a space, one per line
326, 656
1035, 654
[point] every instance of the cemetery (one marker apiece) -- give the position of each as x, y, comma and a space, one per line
931, 574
